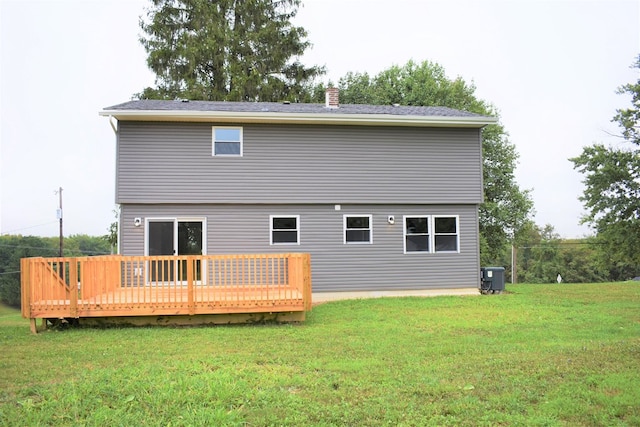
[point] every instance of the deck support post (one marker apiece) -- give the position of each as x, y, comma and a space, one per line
33, 325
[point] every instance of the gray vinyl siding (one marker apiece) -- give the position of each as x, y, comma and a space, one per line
335, 266
172, 163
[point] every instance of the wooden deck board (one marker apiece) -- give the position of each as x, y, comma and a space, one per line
153, 299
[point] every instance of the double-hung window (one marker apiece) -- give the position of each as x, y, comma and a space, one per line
445, 233
416, 234
227, 141
357, 229
285, 230
431, 234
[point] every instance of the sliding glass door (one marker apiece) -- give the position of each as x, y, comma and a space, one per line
189, 243
174, 236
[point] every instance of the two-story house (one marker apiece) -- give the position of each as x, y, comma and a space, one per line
382, 197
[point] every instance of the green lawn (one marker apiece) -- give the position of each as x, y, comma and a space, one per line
547, 355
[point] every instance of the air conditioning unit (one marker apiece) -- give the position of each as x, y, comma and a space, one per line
492, 280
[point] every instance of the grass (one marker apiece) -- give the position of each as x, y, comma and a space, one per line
542, 355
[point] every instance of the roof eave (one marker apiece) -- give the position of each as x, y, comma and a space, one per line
298, 118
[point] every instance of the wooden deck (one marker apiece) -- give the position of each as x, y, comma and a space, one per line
123, 286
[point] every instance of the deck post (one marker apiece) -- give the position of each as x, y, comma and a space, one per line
25, 287
307, 294
190, 289
73, 287
293, 275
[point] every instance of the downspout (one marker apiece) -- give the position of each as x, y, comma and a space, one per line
118, 252
114, 124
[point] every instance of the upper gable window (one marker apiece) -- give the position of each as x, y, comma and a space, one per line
227, 141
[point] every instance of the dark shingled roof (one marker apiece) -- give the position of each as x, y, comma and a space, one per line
275, 107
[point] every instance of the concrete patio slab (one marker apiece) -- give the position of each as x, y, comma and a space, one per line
320, 297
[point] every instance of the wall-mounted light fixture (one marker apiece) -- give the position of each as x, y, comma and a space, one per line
137, 222
391, 219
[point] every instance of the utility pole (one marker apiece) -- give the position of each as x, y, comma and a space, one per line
59, 192
514, 261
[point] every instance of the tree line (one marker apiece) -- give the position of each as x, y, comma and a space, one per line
540, 256
228, 51
15, 247
234, 50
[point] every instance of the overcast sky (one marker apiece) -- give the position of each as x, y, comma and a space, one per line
550, 67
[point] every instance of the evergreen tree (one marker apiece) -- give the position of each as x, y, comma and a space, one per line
233, 50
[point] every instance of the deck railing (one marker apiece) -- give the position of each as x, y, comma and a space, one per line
165, 285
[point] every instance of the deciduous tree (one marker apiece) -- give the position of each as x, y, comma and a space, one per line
112, 236
542, 255
12, 249
15, 247
232, 50
612, 188
506, 206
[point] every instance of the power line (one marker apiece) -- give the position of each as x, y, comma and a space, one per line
52, 249
556, 244
28, 247
4, 233
10, 272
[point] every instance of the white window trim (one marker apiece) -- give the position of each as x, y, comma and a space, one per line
457, 217
404, 234
344, 229
213, 141
175, 220
431, 224
271, 217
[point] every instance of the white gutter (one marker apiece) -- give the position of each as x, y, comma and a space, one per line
299, 118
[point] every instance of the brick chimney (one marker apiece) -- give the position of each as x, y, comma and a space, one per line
331, 98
